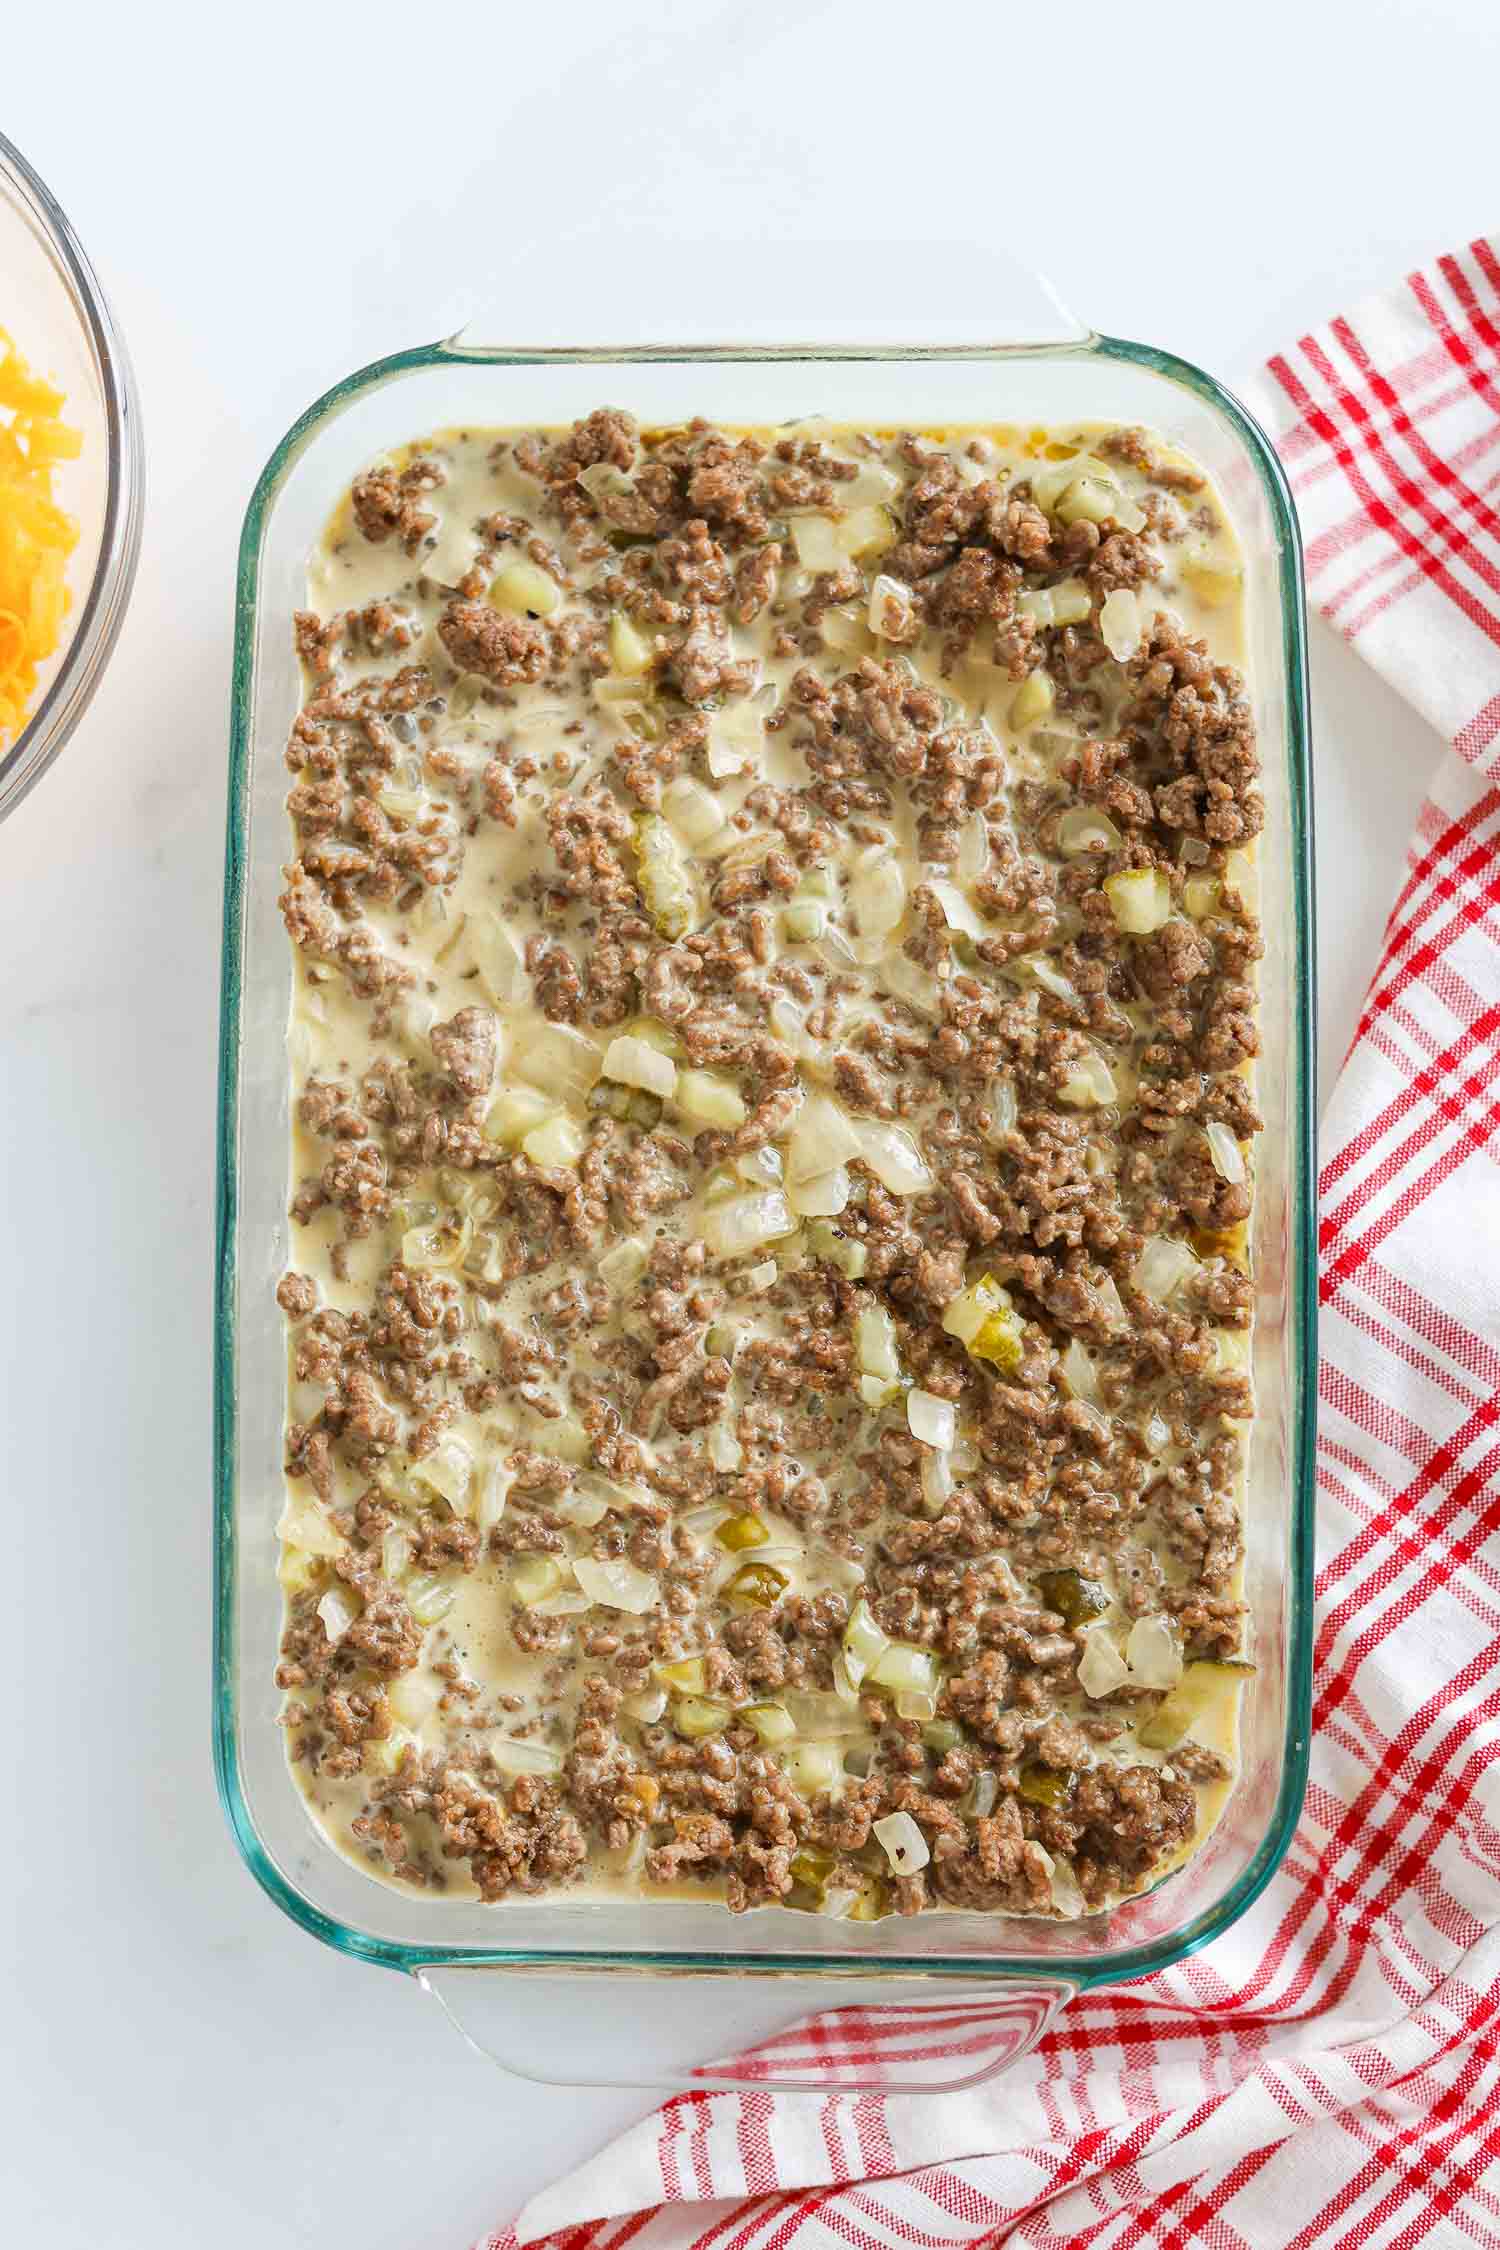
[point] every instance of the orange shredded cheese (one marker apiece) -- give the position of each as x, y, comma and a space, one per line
36, 535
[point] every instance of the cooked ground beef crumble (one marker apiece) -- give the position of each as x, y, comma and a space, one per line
773, 1048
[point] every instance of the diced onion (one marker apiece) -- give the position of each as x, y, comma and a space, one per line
903, 1843
1033, 699
557, 1059
1046, 973
449, 1469
1154, 1653
497, 957
1120, 624
725, 1450
745, 1222
710, 1099
893, 1156
875, 1342
303, 1524
915, 1706
821, 1197
695, 812
1083, 828
761, 1276
1079, 1372
647, 1705
982, 1796
604, 476
556, 1144
736, 739
524, 589
904, 1668
1000, 1101
395, 1554
337, 1611
623, 1266
567, 1603
821, 1717
813, 1768
957, 912
515, 1112
931, 1420
873, 484
937, 1482
512, 1756
430, 1249
581, 1507
877, 892
1089, 1084
973, 848
816, 541
633, 1062
630, 652
1086, 499
429, 1597
1163, 1265
1225, 1153
1140, 899
534, 1577
1102, 1668
864, 1643
822, 1138
617, 1584
413, 1697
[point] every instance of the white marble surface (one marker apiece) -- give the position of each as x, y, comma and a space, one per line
180, 2066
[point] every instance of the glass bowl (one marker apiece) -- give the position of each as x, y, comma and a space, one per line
58, 315
943, 1998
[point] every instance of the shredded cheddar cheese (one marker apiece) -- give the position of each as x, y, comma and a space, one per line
36, 535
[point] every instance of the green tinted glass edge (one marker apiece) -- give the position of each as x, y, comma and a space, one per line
1086, 1972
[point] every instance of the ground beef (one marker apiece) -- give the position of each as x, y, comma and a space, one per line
503, 650
512, 1353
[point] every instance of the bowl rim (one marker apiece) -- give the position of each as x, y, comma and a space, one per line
102, 610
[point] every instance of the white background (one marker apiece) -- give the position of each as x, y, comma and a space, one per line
275, 194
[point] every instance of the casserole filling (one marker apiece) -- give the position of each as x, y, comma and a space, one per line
772, 1068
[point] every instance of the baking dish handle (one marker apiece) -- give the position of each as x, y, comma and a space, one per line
683, 2030
665, 293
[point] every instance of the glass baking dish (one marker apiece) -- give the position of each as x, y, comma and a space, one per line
943, 1998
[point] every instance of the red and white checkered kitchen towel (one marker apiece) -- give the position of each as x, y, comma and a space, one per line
1327, 2073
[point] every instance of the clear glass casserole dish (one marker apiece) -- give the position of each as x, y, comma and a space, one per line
943, 1998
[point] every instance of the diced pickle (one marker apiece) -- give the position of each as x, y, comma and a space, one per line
1232, 1243
1186, 1703
771, 1721
685, 1673
738, 1532
941, 1736
872, 1903
1075, 1598
760, 1583
694, 1717
662, 872
1039, 1785
985, 1322
811, 1869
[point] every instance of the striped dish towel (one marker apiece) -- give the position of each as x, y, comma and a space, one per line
1326, 2075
